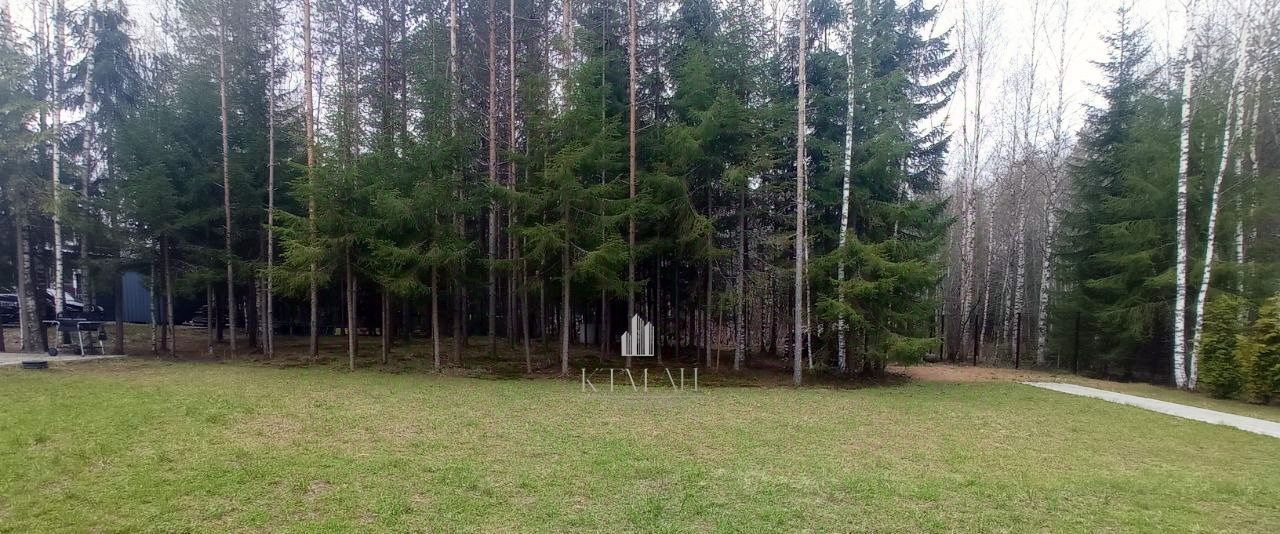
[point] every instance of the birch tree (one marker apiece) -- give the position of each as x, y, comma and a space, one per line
842, 360
1184, 157
57, 65
1231, 130
1054, 172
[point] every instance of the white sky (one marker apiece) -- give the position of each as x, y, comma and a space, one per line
1017, 34
1010, 47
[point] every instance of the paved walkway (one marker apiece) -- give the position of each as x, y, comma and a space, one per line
1247, 424
13, 358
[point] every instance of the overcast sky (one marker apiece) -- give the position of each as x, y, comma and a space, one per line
1010, 48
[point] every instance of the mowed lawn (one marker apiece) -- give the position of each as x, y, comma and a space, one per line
146, 446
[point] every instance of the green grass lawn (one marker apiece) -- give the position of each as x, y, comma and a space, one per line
144, 446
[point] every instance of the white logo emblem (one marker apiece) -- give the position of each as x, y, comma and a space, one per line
638, 340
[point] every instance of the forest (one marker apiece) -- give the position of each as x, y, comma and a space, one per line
819, 188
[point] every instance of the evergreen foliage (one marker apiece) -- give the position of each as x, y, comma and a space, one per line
1258, 353
901, 77
1219, 371
1117, 261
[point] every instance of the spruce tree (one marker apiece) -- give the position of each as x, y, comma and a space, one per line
1117, 265
901, 77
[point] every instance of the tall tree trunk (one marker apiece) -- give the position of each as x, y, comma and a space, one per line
706, 317
1051, 196
975, 48
1243, 206
1020, 256
675, 310
56, 67
166, 248
739, 329
350, 283
268, 329
981, 319
385, 329
29, 338
211, 316
801, 133
1231, 130
226, 173
544, 313
808, 312
90, 162
435, 319
459, 293
564, 312
1184, 143
154, 303
493, 181
631, 160
28, 311
162, 290
842, 364
512, 250
1019, 240
524, 318
1046, 270
313, 343
566, 60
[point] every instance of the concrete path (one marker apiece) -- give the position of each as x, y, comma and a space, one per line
13, 358
1247, 424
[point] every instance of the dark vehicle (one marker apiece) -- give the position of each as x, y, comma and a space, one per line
9, 307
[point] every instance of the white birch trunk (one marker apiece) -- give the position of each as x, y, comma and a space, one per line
90, 136
1046, 272
1051, 197
981, 319
56, 66
1020, 235
1230, 132
1184, 143
841, 350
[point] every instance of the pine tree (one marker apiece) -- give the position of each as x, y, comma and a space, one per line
1117, 265
17, 177
575, 206
895, 167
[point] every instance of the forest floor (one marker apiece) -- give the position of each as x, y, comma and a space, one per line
156, 445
